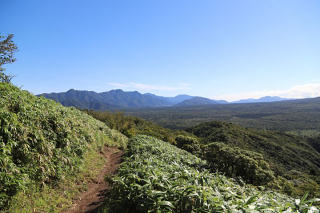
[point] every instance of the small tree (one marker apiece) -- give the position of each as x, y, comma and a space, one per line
7, 50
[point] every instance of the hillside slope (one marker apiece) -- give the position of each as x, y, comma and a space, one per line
42, 142
266, 155
131, 126
181, 183
289, 156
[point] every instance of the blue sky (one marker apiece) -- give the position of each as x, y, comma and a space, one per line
224, 49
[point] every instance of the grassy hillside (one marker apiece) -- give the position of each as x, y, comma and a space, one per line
42, 143
159, 177
280, 116
292, 157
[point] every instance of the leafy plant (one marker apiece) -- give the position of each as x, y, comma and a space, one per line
159, 177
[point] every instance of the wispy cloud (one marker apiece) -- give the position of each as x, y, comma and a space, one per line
149, 87
298, 91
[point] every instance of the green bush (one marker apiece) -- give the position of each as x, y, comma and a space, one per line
190, 144
236, 162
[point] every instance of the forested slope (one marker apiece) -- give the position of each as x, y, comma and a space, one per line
286, 155
294, 115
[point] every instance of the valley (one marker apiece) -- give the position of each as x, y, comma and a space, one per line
299, 116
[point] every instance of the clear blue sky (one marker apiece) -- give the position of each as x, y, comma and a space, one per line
214, 48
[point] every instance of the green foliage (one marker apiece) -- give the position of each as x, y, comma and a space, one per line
315, 143
236, 162
241, 149
188, 143
259, 157
131, 126
299, 183
7, 50
159, 177
292, 115
41, 141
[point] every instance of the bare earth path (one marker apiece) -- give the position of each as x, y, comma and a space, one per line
90, 200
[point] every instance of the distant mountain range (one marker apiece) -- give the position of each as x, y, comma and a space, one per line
119, 99
263, 99
113, 99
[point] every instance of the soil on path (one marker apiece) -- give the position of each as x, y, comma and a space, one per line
91, 199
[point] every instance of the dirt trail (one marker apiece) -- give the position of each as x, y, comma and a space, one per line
90, 200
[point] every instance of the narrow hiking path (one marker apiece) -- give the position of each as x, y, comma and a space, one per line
91, 199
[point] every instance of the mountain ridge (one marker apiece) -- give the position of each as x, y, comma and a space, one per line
113, 99
119, 99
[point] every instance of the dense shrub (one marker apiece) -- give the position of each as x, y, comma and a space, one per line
236, 162
190, 144
241, 149
42, 141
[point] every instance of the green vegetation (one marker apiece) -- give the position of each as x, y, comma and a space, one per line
315, 143
61, 196
7, 50
258, 156
276, 160
43, 144
131, 126
49, 153
236, 162
159, 177
188, 143
295, 115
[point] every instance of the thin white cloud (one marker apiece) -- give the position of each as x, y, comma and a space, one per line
298, 91
149, 87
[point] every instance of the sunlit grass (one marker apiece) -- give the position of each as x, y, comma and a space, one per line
159, 177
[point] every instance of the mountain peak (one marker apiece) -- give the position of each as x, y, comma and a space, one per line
194, 101
116, 90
